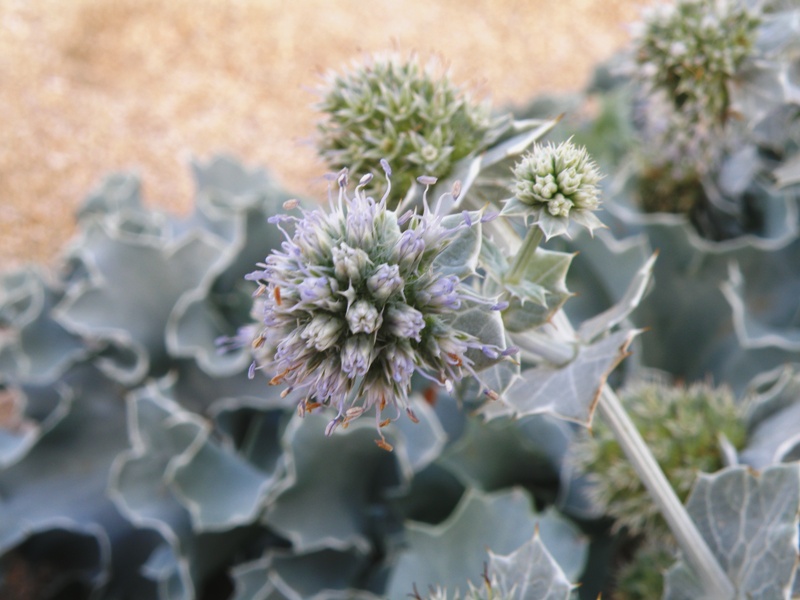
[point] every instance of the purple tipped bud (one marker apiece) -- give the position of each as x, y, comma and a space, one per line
489, 217
386, 168
251, 372
399, 364
467, 218
349, 263
365, 180
427, 180
405, 322
341, 178
409, 248
322, 331
363, 317
502, 305
385, 282
510, 351
356, 356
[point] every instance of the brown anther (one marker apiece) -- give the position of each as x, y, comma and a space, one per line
276, 293
259, 341
312, 406
412, 416
384, 445
260, 291
456, 360
291, 204
382, 403
430, 395
492, 395
384, 423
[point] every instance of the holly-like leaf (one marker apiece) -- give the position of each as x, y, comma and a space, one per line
453, 552
750, 521
486, 326
460, 258
568, 392
774, 419
136, 282
353, 476
38, 349
540, 292
531, 572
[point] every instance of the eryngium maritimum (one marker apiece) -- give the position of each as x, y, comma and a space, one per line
354, 306
554, 185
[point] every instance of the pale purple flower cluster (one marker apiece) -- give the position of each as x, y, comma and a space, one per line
354, 306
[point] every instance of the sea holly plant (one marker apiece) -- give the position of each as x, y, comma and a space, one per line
449, 301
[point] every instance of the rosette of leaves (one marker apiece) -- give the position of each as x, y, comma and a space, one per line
140, 294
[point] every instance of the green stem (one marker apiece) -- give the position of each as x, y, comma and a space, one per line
691, 542
695, 549
529, 245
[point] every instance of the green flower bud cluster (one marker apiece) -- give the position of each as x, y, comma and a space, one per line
690, 51
556, 184
682, 426
403, 112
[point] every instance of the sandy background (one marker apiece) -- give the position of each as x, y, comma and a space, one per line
92, 86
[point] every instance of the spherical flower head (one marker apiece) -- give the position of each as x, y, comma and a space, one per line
354, 304
690, 52
554, 185
404, 111
682, 426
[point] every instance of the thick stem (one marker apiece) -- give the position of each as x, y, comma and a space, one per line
529, 245
695, 550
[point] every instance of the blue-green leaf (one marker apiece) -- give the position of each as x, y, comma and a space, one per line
750, 521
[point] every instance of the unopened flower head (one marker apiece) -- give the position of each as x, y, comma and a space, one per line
354, 305
405, 112
690, 52
555, 184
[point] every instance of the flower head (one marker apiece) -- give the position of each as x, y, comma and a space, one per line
556, 184
402, 111
354, 305
682, 426
690, 53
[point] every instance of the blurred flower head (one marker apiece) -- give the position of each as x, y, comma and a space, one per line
405, 112
689, 52
683, 426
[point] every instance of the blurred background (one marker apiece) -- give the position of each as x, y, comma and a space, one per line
93, 86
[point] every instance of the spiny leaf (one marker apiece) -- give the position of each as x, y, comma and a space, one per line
750, 522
